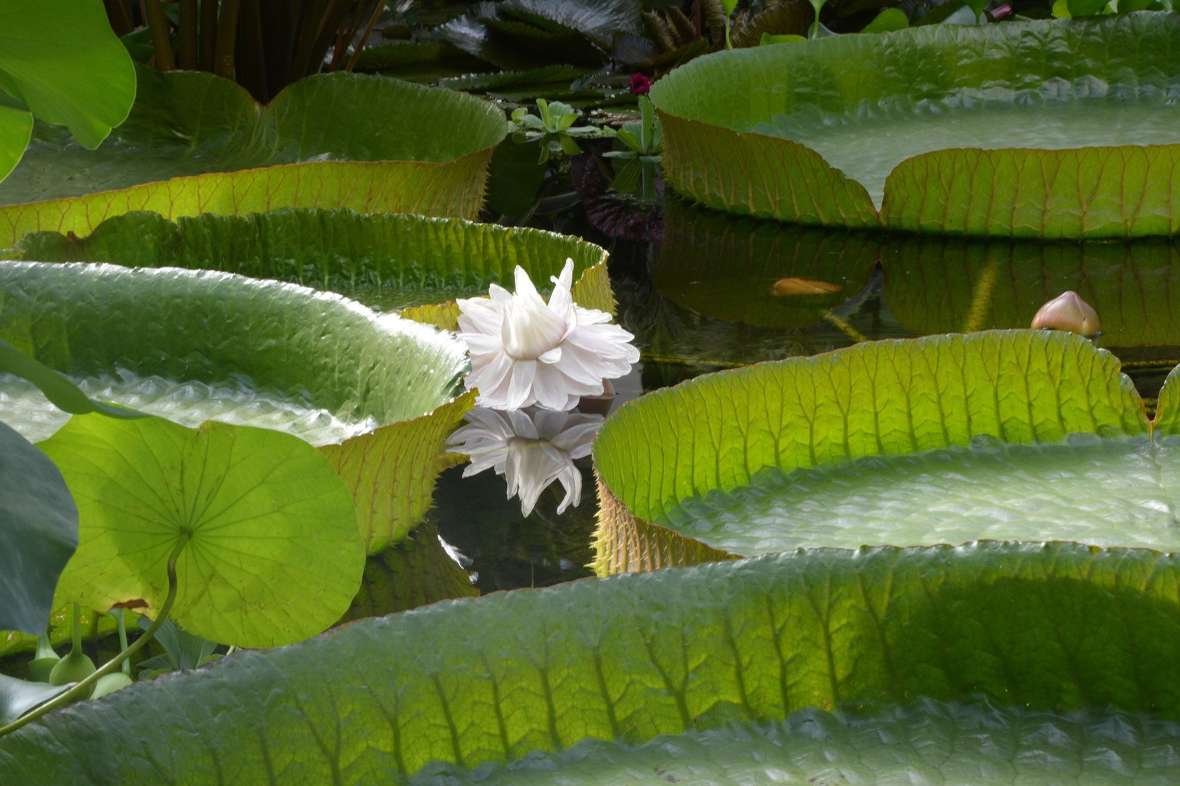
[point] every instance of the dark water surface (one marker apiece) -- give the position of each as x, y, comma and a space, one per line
698, 289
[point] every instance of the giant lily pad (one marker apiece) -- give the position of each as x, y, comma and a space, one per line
1015, 661
1032, 129
379, 391
386, 261
196, 143
1014, 435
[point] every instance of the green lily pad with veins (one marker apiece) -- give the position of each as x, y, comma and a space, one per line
417, 264
1000, 435
981, 664
1054, 129
378, 394
197, 143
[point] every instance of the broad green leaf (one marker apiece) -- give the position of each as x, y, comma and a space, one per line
53, 54
16, 127
1082, 638
1086, 7
94, 626
756, 255
19, 696
912, 122
944, 439
38, 533
190, 345
385, 261
784, 38
270, 550
887, 21
195, 143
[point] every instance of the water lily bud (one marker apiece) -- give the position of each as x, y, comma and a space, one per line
1069, 312
43, 660
109, 683
74, 667
640, 84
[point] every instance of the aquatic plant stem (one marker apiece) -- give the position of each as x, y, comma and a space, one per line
227, 37
187, 32
845, 327
158, 24
378, 7
982, 298
86, 686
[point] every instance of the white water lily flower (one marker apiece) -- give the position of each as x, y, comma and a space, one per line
530, 448
525, 351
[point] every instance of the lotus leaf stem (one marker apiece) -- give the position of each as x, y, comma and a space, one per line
85, 687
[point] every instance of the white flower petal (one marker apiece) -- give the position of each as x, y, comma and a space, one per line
479, 315
550, 387
520, 385
591, 316
577, 440
571, 479
525, 351
561, 302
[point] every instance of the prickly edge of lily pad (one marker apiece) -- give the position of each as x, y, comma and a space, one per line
710, 110
91, 318
312, 146
359, 255
884, 398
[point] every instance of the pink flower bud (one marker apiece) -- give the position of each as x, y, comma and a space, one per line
1069, 312
640, 84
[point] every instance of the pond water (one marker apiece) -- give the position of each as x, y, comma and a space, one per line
697, 290
701, 292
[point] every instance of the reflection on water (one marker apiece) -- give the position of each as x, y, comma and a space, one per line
531, 449
702, 300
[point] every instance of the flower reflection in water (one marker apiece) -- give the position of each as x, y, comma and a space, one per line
531, 448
